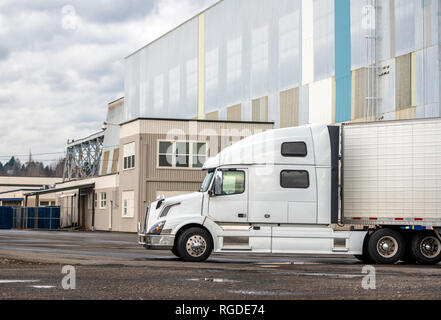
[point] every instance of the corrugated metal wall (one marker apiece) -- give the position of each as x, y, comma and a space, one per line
244, 50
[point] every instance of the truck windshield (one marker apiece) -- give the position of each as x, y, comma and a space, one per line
207, 181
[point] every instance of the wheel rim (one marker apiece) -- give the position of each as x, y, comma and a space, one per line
196, 246
430, 247
387, 247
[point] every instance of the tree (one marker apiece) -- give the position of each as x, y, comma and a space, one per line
32, 168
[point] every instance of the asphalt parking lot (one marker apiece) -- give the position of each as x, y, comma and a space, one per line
113, 266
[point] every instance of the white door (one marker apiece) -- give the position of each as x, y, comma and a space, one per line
229, 198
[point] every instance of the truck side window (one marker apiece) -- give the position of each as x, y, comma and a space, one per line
294, 179
233, 182
294, 149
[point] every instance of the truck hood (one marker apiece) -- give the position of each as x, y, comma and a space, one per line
182, 205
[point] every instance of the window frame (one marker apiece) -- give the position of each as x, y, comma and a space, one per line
191, 153
294, 170
103, 199
222, 186
128, 207
294, 156
131, 157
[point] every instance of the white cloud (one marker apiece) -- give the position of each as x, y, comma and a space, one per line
55, 82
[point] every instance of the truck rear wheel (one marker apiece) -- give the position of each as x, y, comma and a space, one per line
426, 248
386, 246
194, 245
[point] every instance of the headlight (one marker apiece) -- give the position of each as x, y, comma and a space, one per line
157, 228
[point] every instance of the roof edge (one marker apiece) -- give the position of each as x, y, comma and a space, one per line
195, 120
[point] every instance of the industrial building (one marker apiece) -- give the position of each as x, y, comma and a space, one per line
13, 190
249, 65
293, 62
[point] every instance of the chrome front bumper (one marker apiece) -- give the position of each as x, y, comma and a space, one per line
155, 242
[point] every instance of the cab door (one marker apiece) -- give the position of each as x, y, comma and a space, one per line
228, 200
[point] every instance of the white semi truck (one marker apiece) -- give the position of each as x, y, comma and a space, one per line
291, 190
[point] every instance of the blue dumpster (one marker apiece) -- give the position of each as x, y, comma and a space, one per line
5, 217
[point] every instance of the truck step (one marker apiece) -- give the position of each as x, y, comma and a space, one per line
236, 248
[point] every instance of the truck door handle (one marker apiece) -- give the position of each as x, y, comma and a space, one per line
242, 215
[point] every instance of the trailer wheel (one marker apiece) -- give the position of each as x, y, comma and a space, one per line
426, 248
408, 257
195, 245
386, 246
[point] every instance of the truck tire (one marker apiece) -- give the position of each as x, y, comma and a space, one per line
408, 257
175, 252
364, 257
194, 245
425, 247
386, 246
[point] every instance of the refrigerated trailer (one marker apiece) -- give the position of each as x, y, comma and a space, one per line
372, 190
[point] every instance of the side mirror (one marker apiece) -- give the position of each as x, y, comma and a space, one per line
218, 184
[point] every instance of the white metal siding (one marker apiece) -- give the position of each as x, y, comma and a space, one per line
392, 170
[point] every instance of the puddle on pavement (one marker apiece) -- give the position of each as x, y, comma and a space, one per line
217, 280
262, 293
42, 287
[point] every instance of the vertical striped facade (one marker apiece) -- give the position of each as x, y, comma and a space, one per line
293, 62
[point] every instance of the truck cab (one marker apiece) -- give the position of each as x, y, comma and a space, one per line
274, 192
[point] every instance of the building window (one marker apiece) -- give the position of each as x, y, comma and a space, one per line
294, 179
294, 149
103, 200
128, 201
95, 200
181, 154
129, 156
44, 203
182, 150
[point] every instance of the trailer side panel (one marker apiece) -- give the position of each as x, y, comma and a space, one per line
392, 172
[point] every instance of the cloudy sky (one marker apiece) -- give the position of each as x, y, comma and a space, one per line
62, 61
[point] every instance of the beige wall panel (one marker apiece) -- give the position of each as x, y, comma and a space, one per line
234, 113
105, 164
358, 94
130, 180
260, 109
115, 160
104, 218
403, 80
212, 116
289, 108
409, 113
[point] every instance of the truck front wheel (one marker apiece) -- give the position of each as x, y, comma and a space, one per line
175, 252
426, 248
194, 245
364, 257
386, 246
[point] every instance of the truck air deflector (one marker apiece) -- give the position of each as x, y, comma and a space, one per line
334, 135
